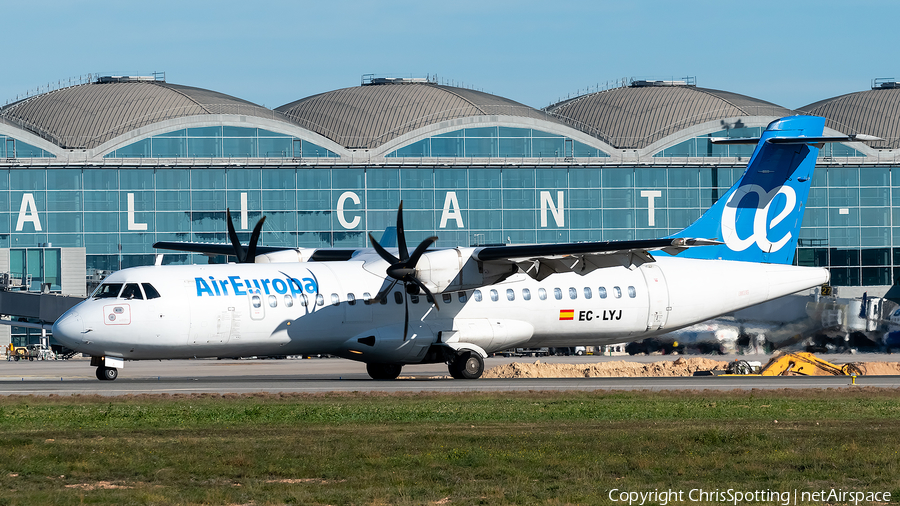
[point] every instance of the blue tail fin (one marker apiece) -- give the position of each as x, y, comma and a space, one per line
759, 218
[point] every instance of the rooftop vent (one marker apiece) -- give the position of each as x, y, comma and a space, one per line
643, 83
370, 79
156, 76
885, 83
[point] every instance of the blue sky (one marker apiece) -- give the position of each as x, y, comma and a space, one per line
788, 52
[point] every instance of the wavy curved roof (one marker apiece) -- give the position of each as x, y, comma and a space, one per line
365, 117
87, 115
635, 117
873, 112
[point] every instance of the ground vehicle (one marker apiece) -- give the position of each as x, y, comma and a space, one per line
29, 352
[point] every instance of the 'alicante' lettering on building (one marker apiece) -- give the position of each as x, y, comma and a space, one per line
348, 210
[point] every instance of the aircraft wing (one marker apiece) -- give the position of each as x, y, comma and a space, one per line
319, 255
542, 260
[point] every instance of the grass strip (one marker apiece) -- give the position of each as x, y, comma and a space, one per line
475, 448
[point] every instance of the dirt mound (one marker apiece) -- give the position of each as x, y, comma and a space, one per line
620, 368
880, 368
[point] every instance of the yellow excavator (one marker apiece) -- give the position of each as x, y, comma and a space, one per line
794, 364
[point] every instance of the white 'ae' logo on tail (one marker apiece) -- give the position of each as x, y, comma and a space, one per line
760, 226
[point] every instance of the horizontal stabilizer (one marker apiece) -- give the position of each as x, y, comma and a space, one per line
796, 140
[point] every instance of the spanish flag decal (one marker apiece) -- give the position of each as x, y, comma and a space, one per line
566, 314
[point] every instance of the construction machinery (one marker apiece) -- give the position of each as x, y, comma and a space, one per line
794, 364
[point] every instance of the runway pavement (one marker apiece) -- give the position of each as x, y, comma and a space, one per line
330, 375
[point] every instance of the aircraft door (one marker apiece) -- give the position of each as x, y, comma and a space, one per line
657, 295
224, 324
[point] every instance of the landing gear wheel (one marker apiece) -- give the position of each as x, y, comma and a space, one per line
384, 371
107, 373
467, 365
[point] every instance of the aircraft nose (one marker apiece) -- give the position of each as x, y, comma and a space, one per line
69, 330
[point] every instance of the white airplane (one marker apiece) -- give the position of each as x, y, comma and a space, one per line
457, 305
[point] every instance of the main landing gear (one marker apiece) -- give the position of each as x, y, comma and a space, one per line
107, 373
466, 365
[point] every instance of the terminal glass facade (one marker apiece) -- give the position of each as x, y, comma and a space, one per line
497, 142
221, 142
14, 148
118, 213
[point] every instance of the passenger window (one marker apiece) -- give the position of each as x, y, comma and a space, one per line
632, 292
335, 299
351, 299
495, 296
256, 301
320, 299
461, 296
573, 293
273, 301
108, 291
414, 299
398, 297
510, 294
587, 292
303, 300
288, 301
383, 300
617, 292
526, 294
557, 292
132, 291
149, 291
429, 299
448, 298
477, 295
542, 294
601, 292
367, 298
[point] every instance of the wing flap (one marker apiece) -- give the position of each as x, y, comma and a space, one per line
540, 261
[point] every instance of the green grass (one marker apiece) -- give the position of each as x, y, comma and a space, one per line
474, 448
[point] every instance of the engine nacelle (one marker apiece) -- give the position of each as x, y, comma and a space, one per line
286, 256
454, 269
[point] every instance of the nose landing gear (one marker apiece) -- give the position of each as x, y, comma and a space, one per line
107, 373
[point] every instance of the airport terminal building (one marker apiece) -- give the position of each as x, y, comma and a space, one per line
116, 164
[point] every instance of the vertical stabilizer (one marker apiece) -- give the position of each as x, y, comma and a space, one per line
759, 218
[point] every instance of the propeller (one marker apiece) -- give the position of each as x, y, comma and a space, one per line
403, 269
244, 256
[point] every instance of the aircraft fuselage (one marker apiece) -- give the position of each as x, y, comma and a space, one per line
326, 307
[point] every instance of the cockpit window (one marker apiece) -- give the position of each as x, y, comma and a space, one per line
108, 291
149, 291
132, 291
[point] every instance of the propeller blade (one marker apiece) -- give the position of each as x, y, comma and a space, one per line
405, 315
425, 289
391, 259
401, 236
414, 259
382, 294
238, 249
254, 238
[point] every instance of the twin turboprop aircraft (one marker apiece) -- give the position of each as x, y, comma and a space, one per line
457, 305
